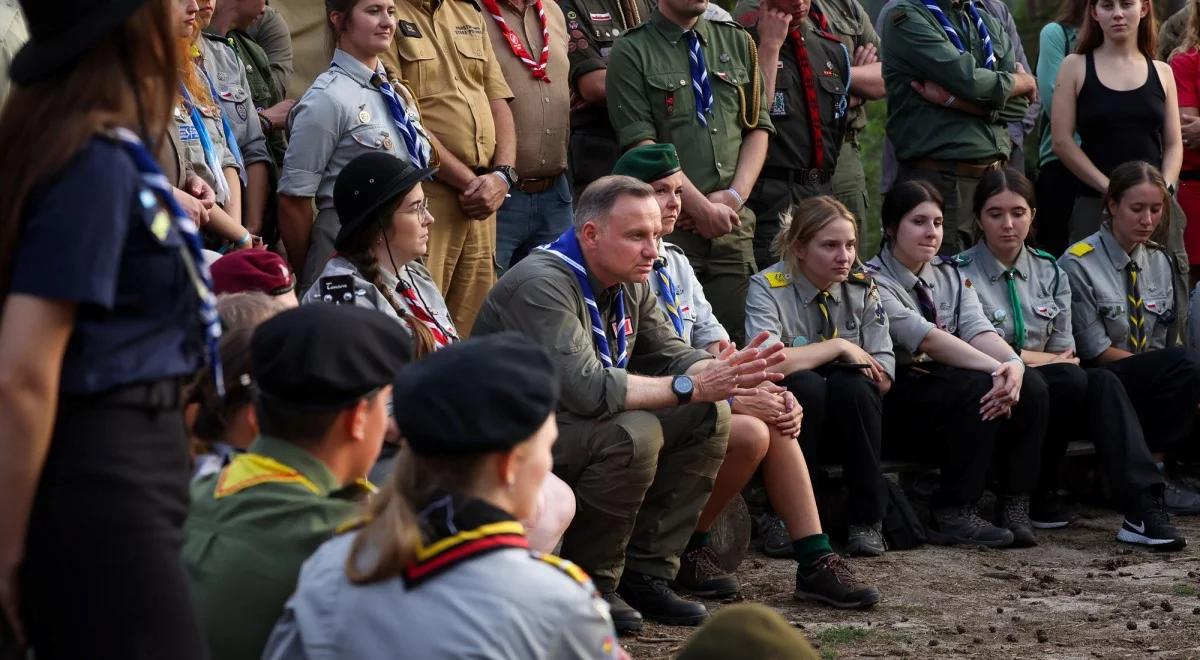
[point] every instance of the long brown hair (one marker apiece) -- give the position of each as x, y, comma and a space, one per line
1071, 13
127, 79
1134, 173
1191, 36
1092, 35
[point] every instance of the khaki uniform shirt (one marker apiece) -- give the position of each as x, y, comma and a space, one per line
13, 35
342, 116
249, 529
228, 75
442, 51
541, 111
700, 327
1042, 287
541, 298
786, 307
1100, 298
958, 311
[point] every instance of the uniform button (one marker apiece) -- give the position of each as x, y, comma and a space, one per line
718, 164
547, 99
543, 161
547, 131
682, 82
714, 131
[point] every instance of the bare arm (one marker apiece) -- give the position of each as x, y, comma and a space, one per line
1112, 354
592, 87
233, 206
295, 228
750, 162
948, 349
258, 186
866, 81
1172, 137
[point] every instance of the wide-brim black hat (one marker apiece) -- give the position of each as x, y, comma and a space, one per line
366, 184
59, 35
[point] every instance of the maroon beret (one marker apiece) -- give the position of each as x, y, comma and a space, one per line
252, 270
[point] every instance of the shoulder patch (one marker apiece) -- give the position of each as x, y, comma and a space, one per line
249, 470
1080, 249
778, 279
351, 524
568, 568
860, 278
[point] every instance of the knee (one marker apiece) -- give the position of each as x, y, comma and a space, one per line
1034, 389
749, 439
637, 441
809, 387
1187, 361
846, 383
558, 501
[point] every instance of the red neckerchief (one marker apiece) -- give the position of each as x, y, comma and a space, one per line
538, 69
819, 17
810, 96
418, 310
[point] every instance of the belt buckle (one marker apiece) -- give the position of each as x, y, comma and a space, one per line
813, 176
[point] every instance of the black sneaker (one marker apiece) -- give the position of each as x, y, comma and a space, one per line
625, 618
776, 541
1151, 526
831, 581
1047, 510
865, 540
700, 574
656, 601
1014, 516
962, 526
1179, 499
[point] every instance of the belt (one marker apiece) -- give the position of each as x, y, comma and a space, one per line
164, 394
796, 176
958, 167
536, 185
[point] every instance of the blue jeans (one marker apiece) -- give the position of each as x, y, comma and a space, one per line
526, 221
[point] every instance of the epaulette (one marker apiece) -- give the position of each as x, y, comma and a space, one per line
1154, 245
954, 260
868, 266
860, 277
567, 567
356, 491
963, 259
437, 557
899, 16
213, 37
778, 279
1081, 248
351, 524
249, 470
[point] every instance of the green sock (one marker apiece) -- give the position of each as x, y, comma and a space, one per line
811, 548
698, 540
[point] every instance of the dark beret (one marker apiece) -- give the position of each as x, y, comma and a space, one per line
648, 163
252, 270
486, 394
326, 357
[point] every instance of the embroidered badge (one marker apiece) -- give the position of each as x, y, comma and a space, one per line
409, 29
779, 104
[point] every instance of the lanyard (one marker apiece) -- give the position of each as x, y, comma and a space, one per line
566, 247
538, 68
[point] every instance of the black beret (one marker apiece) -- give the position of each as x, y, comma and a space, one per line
326, 357
482, 395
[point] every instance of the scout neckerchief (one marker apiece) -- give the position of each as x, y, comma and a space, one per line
830, 331
1018, 314
230, 138
453, 535
701, 88
1137, 319
666, 290
810, 99
418, 149
925, 301
538, 68
417, 308
566, 247
211, 158
155, 184
989, 57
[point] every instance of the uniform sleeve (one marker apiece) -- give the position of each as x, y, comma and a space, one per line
628, 105
1052, 49
658, 350
972, 322
583, 52
1091, 338
907, 327
286, 642
706, 329
1061, 338
252, 141
314, 129
762, 314
585, 634
867, 33
918, 46
273, 35
876, 335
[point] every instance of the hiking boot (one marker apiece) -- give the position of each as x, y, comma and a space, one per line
776, 541
657, 602
961, 525
1014, 516
625, 618
1179, 499
700, 574
1049, 511
831, 581
865, 540
1150, 525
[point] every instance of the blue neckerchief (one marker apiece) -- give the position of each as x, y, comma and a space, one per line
230, 139
701, 87
418, 151
666, 289
989, 57
210, 151
566, 247
193, 253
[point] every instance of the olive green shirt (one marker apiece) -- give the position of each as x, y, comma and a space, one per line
263, 87
916, 48
249, 529
650, 95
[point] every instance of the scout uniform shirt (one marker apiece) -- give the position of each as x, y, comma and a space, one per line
475, 591
1041, 287
956, 306
341, 283
1100, 306
249, 529
342, 116
788, 308
228, 76
916, 48
700, 328
193, 148
263, 88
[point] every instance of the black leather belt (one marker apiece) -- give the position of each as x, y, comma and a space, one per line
797, 176
165, 394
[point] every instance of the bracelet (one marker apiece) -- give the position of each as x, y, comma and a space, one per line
245, 240
268, 125
736, 195
507, 183
950, 101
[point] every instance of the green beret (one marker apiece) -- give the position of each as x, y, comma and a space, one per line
748, 630
649, 162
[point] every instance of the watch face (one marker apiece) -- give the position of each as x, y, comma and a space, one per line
683, 385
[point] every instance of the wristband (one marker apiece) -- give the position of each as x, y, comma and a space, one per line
507, 183
736, 195
950, 101
245, 240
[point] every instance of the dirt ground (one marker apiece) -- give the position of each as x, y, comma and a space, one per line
1078, 594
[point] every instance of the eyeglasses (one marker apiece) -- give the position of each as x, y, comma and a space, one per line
421, 210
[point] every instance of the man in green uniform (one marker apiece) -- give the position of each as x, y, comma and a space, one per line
964, 50
683, 79
324, 375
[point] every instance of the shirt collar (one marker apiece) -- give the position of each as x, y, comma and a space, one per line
357, 71
298, 459
992, 267
809, 292
1116, 255
673, 33
902, 274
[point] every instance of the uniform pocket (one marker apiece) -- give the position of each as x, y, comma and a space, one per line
731, 78
420, 63
237, 97
671, 98
832, 84
473, 55
373, 136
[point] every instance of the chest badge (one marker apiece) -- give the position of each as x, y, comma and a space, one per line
800, 341
851, 324
363, 115
724, 58
387, 143
998, 316
161, 226
409, 29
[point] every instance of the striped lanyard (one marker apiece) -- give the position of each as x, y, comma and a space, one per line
989, 56
566, 247
211, 157
701, 87
418, 149
538, 68
666, 291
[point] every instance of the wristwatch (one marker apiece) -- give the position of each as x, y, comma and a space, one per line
683, 387
508, 172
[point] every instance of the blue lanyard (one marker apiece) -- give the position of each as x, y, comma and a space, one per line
566, 247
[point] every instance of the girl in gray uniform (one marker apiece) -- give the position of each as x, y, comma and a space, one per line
355, 107
1028, 299
1124, 307
960, 392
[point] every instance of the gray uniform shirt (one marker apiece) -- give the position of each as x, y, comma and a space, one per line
193, 150
503, 604
1099, 296
958, 310
1042, 287
228, 75
786, 307
366, 294
700, 326
342, 116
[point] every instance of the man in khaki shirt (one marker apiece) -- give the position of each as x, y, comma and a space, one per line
538, 208
442, 51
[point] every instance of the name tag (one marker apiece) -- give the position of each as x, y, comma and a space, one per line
188, 133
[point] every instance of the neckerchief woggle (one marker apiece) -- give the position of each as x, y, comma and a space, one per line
566, 247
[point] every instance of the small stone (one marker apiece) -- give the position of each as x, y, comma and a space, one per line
976, 640
960, 628
1076, 591
1023, 562
1016, 619
1191, 574
1154, 625
992, 629
1042, 637
1196, 610
1010, 637
1091, 574
1129, 625
903, 619
1093, 618
933, 642
1145, 604
999, 610
1166, 606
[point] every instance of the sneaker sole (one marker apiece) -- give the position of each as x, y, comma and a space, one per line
716, 594
859, 550
1058, 524
1178, 511
678, 620
863, 604
1127, 536
938, 538
627, 627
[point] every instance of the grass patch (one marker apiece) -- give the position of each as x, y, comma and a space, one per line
829, 654
1184, 590
842, 635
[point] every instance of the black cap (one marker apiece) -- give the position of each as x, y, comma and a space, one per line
61, 32
326, 357
366, 184
482, 395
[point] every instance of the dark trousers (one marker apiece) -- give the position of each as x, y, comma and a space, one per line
932, 413
1056, 191
770, 198
843, 423
102, 576
1091, 404
1164, 387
